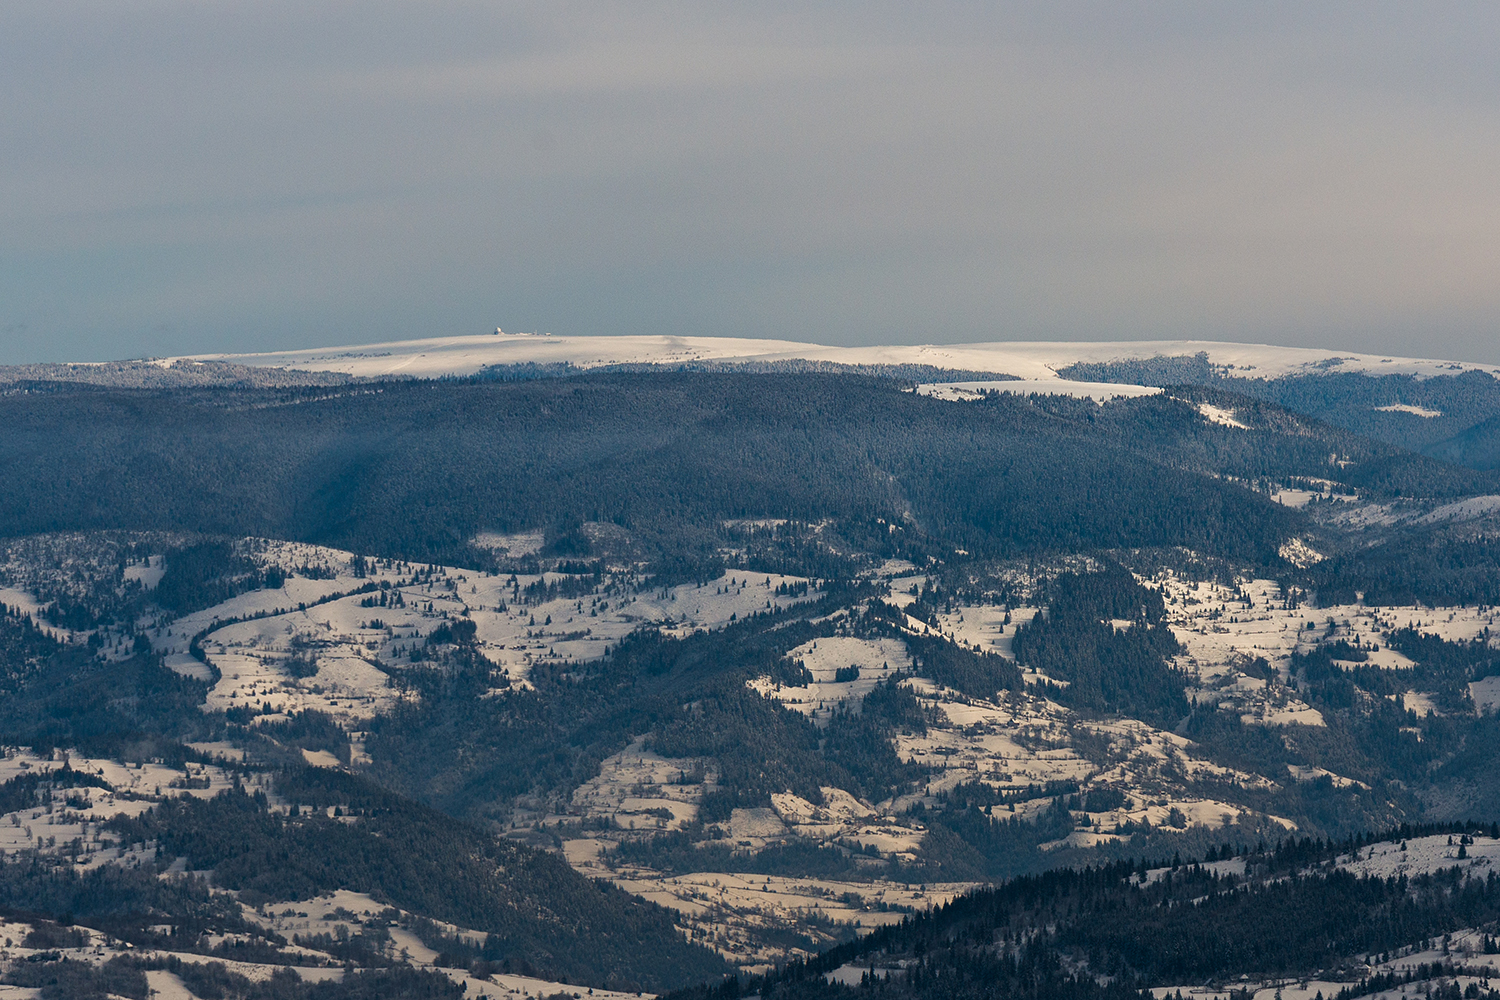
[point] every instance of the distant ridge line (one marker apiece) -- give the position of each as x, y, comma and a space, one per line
522, 357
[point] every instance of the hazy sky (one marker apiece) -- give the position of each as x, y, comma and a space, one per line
236, 176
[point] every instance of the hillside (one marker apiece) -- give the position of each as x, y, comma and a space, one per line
624, 678
1301, 919
414, 470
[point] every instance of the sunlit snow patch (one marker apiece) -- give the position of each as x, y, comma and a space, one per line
1463, 510
149, 573
1306, 772
843, 669
1486, 694
1299, 553
639, 788
1219, 415
466, 355
1419, 411
1100, 392
1422, 856
514, 546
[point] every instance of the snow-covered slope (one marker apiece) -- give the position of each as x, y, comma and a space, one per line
1100, 391
1036, 360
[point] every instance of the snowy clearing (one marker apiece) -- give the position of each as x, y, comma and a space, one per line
1417, 411
862, 663
1423, 856
1219, 415
1463, 510
72, 824
1100, 392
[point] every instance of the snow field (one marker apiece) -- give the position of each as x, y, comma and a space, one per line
1465, 947
1416, 411
1222, 635
839, 809
1099, 392
354, 658
1297, 552
984, 628
733, 913
1002, 746
1300, 498
1416, 512
19, 601
347, 688
149, 573
320, 915
892, 569
635, 785
876, 660
1463, 510
735, 594
1219, 415
1036, 360
24, 603
1486, 694
728, 912
75, 815
513, 546
347, 576
1423, 856
1030, 741
189, 666
1026, 740
1301, 772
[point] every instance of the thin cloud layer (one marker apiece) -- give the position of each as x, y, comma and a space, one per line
182, 178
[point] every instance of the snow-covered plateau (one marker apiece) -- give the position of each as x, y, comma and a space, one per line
1032, 361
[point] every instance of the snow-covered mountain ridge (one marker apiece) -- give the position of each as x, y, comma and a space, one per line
457, 356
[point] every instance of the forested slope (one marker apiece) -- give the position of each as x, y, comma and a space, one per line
1270, 914
415, 469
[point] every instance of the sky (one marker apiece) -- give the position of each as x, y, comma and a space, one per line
216, 175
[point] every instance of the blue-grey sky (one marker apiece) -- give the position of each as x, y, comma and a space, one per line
182, 177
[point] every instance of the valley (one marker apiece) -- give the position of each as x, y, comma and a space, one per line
555, 699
